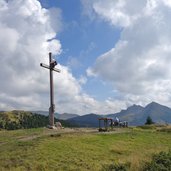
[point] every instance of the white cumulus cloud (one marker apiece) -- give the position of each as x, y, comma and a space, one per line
27, 34
138, 66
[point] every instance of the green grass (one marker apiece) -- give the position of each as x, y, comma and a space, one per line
79, 151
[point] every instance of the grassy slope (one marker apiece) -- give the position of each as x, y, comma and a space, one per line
24, 119
78, 151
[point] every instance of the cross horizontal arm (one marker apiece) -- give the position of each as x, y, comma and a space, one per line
47, 66
57, 70
44, 65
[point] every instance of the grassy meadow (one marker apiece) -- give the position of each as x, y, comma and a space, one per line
42, 149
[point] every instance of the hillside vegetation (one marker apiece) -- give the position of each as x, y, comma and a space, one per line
21, 119
123, 149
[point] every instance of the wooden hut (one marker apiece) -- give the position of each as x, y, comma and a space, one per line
105, 124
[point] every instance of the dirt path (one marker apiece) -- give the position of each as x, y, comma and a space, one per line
58, 132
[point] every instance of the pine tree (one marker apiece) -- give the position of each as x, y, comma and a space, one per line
149, 121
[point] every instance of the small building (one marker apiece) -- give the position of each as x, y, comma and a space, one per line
105, 124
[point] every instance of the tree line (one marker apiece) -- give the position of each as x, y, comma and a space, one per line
24, 120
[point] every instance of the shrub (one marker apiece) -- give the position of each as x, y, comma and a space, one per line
160, 162
165, 130
147, 127
116, 167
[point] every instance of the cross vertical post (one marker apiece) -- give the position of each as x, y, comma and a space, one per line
51, 67
52, 106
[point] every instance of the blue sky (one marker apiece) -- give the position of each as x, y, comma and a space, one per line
112, 54
82, 42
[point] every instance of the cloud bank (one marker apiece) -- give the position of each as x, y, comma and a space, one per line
138, 66
27, 34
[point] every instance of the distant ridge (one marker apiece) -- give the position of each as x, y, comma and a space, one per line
138, 114
159, 113
89, 120
45, 113
65, 116
128, 114
135, 115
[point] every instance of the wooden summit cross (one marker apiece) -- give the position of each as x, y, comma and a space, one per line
51, 67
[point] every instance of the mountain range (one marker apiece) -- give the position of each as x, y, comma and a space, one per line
89, 120
63, 116
135, 115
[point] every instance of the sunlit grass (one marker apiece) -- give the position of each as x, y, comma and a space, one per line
79, 151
